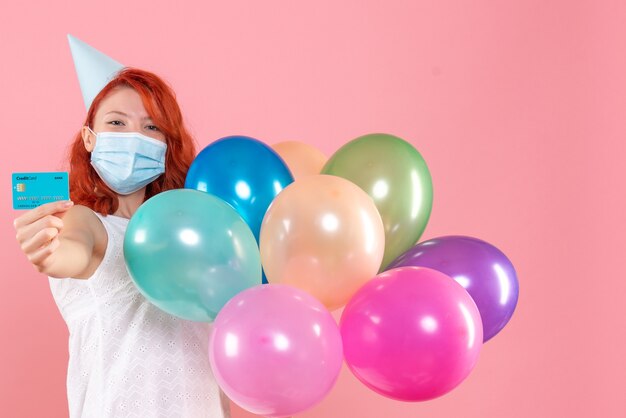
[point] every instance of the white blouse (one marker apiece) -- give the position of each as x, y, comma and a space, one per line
128, 358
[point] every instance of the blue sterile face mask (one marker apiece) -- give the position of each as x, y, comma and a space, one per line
127, 161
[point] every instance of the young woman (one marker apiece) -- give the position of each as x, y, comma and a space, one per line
126, 356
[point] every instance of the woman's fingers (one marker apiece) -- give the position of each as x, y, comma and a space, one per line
41, 211
29, 230
38, 230
43, 237
41, 256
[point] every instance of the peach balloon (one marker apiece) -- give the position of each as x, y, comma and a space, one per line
302, 159
324, 235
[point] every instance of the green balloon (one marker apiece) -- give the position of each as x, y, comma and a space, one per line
396, 177
189, 252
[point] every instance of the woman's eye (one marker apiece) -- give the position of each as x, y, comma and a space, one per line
116, 123
152, 127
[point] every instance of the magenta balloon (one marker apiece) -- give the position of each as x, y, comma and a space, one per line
275, 350
411, 334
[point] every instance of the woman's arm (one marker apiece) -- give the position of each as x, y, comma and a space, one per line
62, 240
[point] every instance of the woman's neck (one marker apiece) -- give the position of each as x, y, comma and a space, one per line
128, 204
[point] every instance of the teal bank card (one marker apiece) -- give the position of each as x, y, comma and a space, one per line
33, 189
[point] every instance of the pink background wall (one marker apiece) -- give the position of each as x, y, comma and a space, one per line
517, 106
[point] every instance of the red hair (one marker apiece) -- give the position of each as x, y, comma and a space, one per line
86, 187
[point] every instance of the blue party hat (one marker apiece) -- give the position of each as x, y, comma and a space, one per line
93, 68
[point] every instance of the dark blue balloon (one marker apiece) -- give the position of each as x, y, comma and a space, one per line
243, 172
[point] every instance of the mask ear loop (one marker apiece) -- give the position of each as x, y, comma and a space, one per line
95, 188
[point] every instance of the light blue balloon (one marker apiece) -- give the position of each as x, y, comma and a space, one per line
189, 253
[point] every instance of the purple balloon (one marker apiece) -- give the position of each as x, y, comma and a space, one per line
482, 269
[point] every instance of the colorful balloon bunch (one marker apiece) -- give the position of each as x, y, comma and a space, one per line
343, 233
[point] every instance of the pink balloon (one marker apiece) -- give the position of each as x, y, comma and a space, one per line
275, 350
411, 334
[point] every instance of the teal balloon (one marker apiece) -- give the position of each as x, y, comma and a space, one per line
189, 253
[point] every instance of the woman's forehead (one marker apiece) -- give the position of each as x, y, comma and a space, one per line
123, 100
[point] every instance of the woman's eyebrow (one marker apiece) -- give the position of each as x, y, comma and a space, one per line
118, 112
124, 114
